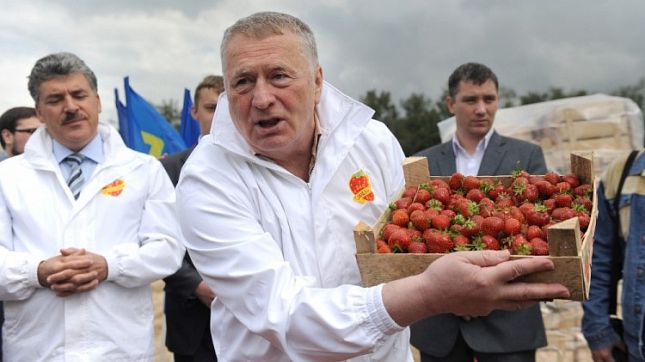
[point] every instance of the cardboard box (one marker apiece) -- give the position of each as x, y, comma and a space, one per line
568, 249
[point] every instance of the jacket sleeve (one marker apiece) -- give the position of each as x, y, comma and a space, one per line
595, 321
159, 250
184, 281
536, 164
245, 267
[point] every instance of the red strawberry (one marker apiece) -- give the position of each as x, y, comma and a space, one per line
584, 202
442, 194
520, 246
497, 189
410, 191
383, 249
423, 196
492, 226
414, 207
490, 243
549, 204
534, 231
434, 204
584, 190
438, 183
471, 183
441, 222
388, 229
402, 203
571, 179
399, 240
437, 241
400, 217
451, 214
475, 195
552, 177
456, 181
563, 213
419, 219
469, 228
563, 200
545, 188
461, 242
417, 247
512, 226
539, 246
562, 187
538, 216
584, 219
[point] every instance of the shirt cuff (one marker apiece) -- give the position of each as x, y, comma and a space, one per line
378, 313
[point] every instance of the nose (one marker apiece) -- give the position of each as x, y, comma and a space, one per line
263, 96
480, 108
70, 105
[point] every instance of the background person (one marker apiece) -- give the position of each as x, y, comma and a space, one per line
187, 296
596, 327
86, 224
268, 214
476, 149
16, 126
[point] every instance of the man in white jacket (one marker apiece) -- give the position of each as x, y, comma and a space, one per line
267, 213
81, 240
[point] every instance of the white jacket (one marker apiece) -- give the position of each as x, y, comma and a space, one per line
131, 222
279, 252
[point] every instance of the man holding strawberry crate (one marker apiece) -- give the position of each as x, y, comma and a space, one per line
476, 149
268, 203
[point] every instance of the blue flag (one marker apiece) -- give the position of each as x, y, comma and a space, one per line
189, 128
150, 132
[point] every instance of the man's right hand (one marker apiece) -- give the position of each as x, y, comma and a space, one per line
74, 271
204, 293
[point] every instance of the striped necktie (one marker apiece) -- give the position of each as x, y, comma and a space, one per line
75, 179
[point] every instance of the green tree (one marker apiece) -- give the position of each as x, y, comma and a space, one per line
169, 109
418, 129
381, 103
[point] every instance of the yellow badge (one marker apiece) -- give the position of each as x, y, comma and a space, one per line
360, 186
114, 188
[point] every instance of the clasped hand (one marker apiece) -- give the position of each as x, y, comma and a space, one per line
73, 271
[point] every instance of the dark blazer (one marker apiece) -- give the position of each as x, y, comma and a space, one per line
187, 319
501, 331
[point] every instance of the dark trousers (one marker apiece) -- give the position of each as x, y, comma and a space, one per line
205, 352
461, 352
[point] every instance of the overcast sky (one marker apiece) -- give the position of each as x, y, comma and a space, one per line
400, 46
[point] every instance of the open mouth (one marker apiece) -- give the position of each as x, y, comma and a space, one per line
267, 123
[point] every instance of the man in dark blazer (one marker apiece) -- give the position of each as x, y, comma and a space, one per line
188, 298
476, 149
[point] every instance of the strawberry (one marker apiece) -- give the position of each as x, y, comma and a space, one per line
419, 219
520, 246
383, 248
461, 242
562, 187
438, 183
442, 194
492, 226
549, 204
571, 179
400, 217
415, 206
441, 222
456, 181
402, 203
451, 214
469, 228
545, 188
534, 231
471, 183
388, 229
584, 220
552, 177
584, 202
410, 191
512, 226
399, 241
490, 243
538, 216
563, 200
504, 200
423, 196
431, 212
584, 190
417, 247
539, 246
563, 213
467, 208
434, 204
437, 241
475, 195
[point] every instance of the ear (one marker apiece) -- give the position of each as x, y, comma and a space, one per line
450, 103
7, 137
98, 99
193, 111
318, 82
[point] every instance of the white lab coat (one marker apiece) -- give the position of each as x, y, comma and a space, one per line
135, 230
279, 252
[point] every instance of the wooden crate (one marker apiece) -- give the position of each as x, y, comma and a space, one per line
568, 249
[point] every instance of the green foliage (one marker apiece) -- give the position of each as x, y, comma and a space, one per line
170, 110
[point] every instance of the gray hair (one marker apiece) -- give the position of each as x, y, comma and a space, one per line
263, 24
57, 65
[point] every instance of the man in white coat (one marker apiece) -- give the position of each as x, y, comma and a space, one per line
267, 213
86, 225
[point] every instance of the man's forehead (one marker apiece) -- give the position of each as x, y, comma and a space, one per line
74, 81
